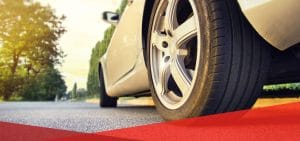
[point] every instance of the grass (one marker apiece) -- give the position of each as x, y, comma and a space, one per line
289, 86
16, 98
13, 98
85, 98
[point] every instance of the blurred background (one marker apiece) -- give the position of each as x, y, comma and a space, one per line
46, 47
49, 50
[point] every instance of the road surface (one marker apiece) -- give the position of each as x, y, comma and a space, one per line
88, 117
77, 116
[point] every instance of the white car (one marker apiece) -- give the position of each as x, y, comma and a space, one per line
199, 57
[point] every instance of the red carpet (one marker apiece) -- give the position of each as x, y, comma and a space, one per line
266, 124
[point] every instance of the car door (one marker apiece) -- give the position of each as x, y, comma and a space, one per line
123, 49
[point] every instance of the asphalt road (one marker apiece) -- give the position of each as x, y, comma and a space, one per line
77, 116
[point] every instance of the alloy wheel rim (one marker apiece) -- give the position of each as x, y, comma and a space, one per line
174, 51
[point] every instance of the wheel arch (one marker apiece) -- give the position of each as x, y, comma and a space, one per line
102, 67
267, 15
99, 71
145, 25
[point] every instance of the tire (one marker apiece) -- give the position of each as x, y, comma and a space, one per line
230, 68
105, 100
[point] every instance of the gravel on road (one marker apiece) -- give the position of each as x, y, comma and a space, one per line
77, 116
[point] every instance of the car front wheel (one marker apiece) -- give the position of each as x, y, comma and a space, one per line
203, 57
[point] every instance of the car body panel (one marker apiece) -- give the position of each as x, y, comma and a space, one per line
123, 63
123, 51
132, 83
277, 21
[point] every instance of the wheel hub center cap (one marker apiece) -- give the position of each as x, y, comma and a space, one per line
169, 44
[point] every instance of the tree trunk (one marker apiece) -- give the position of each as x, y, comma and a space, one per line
10, 84
7, 93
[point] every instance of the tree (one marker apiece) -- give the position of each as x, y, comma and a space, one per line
122, 7
81, 92
74, 91
28, 43
45, 86
97, 52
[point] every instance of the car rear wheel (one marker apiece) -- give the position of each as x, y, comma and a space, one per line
203, 58
105, 100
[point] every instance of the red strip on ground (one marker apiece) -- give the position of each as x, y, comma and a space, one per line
262, 124
17, 132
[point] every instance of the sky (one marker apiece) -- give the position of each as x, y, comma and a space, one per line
84, 28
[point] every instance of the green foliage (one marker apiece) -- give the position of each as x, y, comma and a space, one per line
45, 86
289, 86
122, 7
74, 91
28, 47
97, 52
82, 92
77, 93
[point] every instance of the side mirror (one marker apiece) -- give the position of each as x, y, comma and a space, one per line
111, 17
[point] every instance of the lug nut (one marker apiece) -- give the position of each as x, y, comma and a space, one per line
167, 58
169, 33
165, 44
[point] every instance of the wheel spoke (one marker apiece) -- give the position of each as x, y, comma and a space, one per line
185, 31
171, 17
164, 76
178, 72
